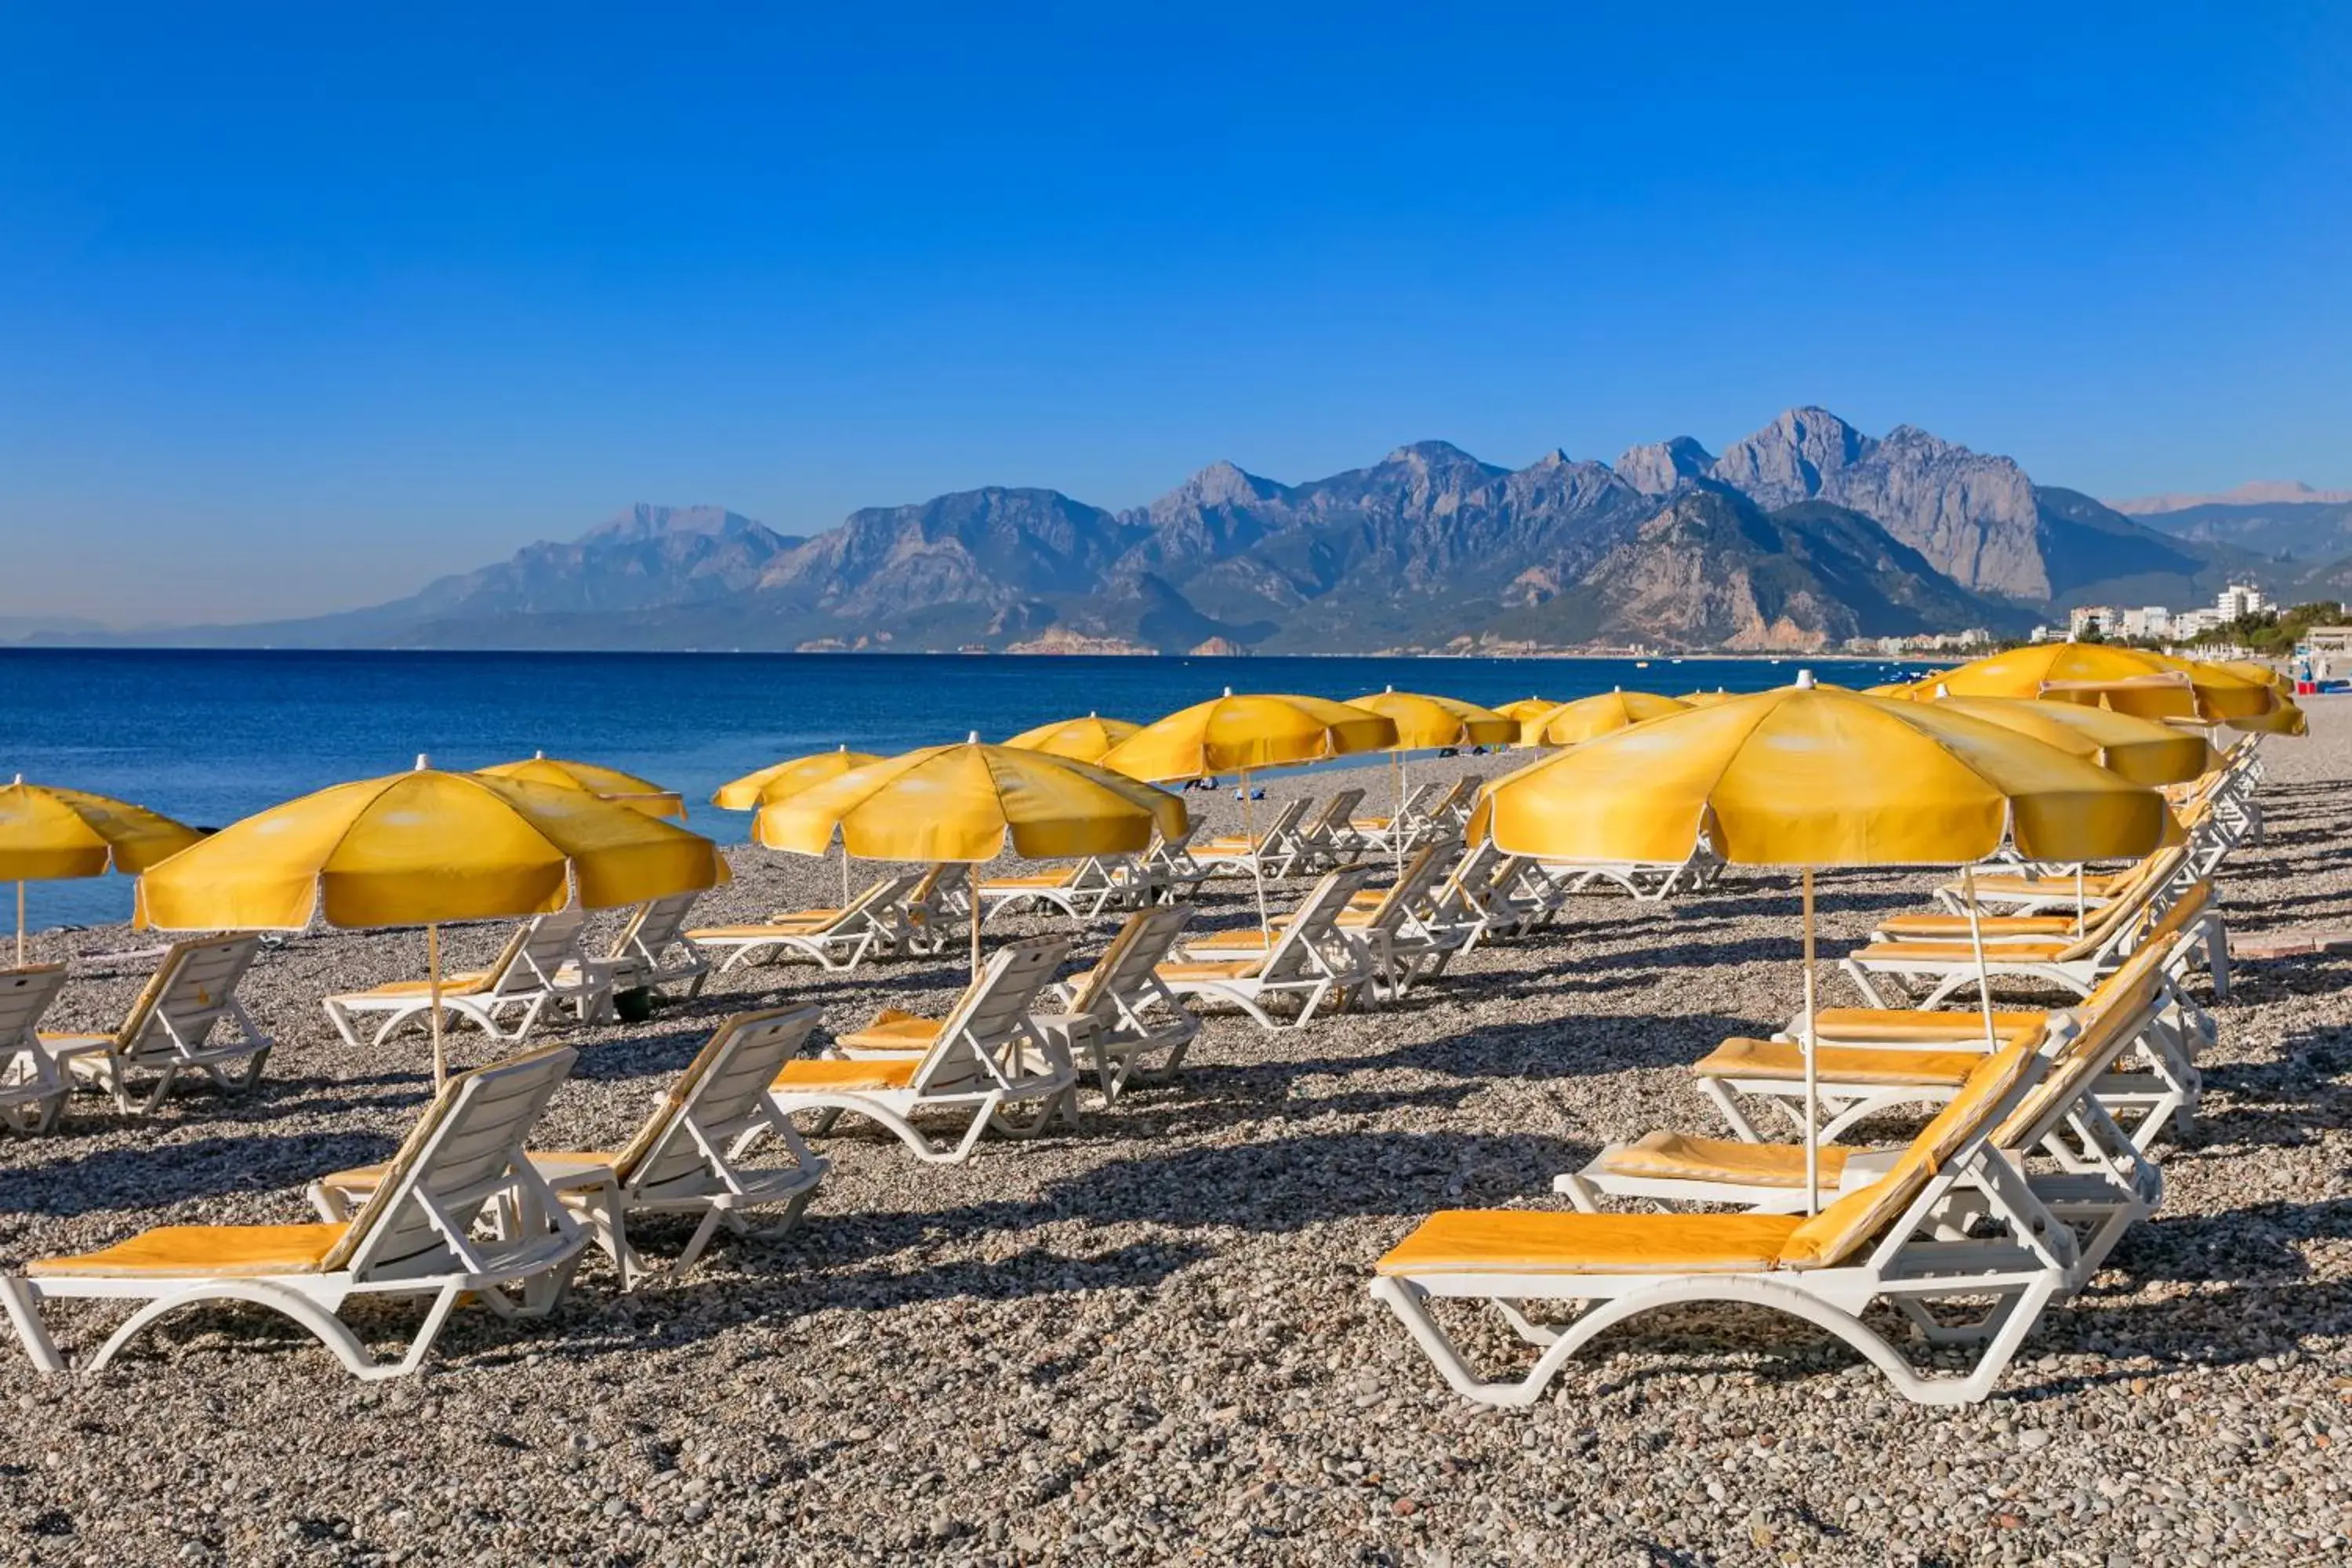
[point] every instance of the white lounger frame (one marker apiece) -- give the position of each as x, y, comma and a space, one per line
424, 1236
1309, 961
32, 1090
988, 1055
544, 968
1916, 1262
171, 1029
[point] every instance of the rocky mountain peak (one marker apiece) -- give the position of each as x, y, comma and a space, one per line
1655, 468
1429, 455
1791, 459
646, 521
1223, 484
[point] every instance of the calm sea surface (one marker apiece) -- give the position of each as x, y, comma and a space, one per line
211, 736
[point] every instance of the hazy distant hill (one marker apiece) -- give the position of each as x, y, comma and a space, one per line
1806, 531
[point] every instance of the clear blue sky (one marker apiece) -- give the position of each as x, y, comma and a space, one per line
301, 306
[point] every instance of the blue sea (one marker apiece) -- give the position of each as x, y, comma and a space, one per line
213, 735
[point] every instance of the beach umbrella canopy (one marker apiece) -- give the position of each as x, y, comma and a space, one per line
2140, 750
787, 778
421, 849
1704, 699
1080, 740
1526, 708
50, 834
1809, 775
2248, 669
2286, 718
1806, 777
967, 803
2128, 680
1246, 733
1572, 723
606, 784
1429, 724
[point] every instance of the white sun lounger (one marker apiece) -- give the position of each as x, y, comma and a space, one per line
1930, 971
32, 1090
1885, 1242
1275, 851
1875, 1060
836, 940
691, 1156
1168, 873
1308, 962
2101, 1184
1328, 840
460, 1212
987, 1057
171, 1028
653, 949
1382, 832
1119, 1016
540, 965
1081, 889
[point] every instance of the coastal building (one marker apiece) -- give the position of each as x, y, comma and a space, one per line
2152, 621
2239, 600
2083, 619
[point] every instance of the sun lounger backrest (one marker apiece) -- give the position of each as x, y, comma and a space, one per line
991, 1015
1339, 811
2124, 1010
1278, 832
194, 985
459, 1157
1310, 924
721, 1092
1398, 897
1141, 945
549, 942
2128, 910
1836, 1234
655, 926
25, 995
870, 901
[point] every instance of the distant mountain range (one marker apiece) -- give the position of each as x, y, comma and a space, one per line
1806, 532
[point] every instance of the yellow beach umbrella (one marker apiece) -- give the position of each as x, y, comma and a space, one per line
1246, 733
1434, 723
782, 781
1899, 690
2139, 750
1572, 723
787, 778
1080, 740
1525, 710
2249, 670
1805, 777
2145, 685
1704, 699
2285, 719
967, 803
425, 848
49, 834
606, 784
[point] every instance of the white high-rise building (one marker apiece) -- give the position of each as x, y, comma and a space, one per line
2240, 600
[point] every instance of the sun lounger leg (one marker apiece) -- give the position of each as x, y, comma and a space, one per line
25, 1316
1862, 982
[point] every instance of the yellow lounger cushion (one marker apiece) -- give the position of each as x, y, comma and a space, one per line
464, 984
814, 1074
1903, 1025
1839, 1063
1963, 952
1677, 1157
800, 927
1520, 1241
1232, 969
204, 1252
1244, 941
2094, 887
1957, 926
895, 1031
1048, 878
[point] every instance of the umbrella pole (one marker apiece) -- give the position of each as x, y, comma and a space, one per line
1813, 1078
433, 983
2078, 897
1976, 941
974, 923
844, 875
1396, 818
1257, 874
20, 923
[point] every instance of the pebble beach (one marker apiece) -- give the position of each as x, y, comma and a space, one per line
1150, 1339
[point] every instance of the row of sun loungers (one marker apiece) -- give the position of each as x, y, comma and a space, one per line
2036, 1161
